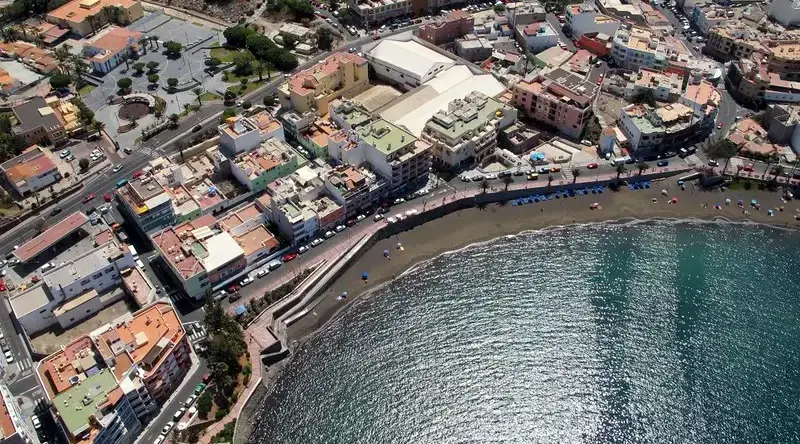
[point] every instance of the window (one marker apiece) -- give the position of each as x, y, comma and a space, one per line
98, 275
85, 281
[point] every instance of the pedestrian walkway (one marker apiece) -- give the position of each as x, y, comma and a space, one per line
24, 364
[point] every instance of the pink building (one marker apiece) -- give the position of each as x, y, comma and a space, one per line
456, 25
558, 98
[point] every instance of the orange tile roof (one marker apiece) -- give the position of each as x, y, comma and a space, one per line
6, 425
57, 369
305, 82
144, 332
256, 239
73, 11
114, 41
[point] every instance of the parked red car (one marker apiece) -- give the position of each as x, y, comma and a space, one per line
592, 166
138, 174
233, 288
2, 285
87, 198
107, 197
289, 257
206, 378
748, 168
555, 169
719, 125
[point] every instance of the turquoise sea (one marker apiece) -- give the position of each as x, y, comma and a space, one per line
653, 332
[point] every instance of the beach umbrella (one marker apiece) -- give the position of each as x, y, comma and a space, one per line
664, 192
770, 212
680, 182
753, 202
674, 200
385, 253
364, 276
344, 294
727, 201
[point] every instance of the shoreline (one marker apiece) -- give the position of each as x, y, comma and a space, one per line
469, 227
464, 228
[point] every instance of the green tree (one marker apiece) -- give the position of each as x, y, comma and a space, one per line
269, 101
259, 45
645, 96
324, 39
62, 54
124, 84
642, 167
722, 149
83, 164
153, 78
98, 126
243, 63
79, 67
289, 42
173, 118
173, 49
138, 67
236, 36
484, 186
243, 81
620, 170
152, 67
172, 83
499, 8
212, 62
226, 114
575, 173
58, 81
204, 404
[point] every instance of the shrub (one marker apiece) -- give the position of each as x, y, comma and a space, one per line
58, 81
247, 104
83, 164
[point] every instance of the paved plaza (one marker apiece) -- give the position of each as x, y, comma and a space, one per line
186, 68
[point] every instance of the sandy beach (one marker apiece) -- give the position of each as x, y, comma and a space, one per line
473, 225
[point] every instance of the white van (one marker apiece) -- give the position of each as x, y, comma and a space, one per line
135, 255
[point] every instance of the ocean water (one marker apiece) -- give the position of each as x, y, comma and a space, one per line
648, 333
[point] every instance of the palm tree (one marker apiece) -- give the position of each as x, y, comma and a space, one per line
186, 108
484, 186
620, 170
778, 171
550, 179
126, 56
198, 92
507, 180
98, 126
575, 173
642, 166
62, 54
132, 121
79, 66
142, 43
739, 169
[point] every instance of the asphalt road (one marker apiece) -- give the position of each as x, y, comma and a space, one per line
153, 428
553, 20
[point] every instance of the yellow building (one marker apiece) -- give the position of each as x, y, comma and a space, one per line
339, 75
86, 16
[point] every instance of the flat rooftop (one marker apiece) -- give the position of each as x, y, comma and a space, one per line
137, 284
80, 267
81, 402
59, 371
256, 239
386, 137
40, 243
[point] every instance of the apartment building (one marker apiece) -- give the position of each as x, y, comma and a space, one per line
299, 207
85, 396
737, 40
524, 13
473, 48
273, 159
665, 86
704, 100
558, 98
651, 130
340, 74
248, 227
638, 47
31, 171
239, 134
87, 16
707, 15
199, 255
380, 11
156, 343
455, 25
109, 47
586, 18
74, 290
38, 123
147, 204
536, 37
626, 11
356, 188
467, 131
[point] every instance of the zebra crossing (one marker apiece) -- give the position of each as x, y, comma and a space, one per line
25, 364
196, 331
